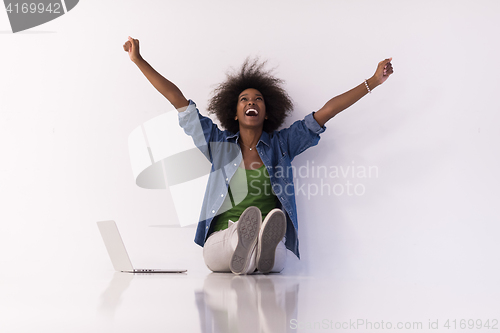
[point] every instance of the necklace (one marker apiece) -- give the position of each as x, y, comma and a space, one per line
250, 148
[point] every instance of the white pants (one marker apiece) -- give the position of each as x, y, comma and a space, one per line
220, 245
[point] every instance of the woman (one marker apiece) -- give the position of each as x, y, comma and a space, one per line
251, 180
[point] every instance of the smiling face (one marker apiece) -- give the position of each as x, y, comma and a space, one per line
251, 109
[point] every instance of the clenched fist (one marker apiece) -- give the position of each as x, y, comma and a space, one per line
132, 47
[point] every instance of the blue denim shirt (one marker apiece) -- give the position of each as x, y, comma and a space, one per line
276, 150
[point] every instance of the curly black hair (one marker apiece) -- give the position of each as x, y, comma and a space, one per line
251, 75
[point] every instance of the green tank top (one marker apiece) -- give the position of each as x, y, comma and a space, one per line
254, 186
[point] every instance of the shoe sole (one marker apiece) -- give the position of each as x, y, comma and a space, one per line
272, 233
248, 233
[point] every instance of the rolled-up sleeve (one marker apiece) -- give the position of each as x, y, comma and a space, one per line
301, 135
312, 124
201, 129
189, 115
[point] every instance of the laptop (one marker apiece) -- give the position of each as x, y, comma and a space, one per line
118, 253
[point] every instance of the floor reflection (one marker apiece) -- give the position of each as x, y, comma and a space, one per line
111, 297
250, 303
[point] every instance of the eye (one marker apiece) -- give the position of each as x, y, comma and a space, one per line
259, 98
243, 99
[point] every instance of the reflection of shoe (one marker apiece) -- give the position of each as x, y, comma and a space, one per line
244, 288
271, 233
272, 307
242, 309
248, 231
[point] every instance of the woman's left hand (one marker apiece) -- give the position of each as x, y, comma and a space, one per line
384, 70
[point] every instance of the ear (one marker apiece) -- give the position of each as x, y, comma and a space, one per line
235, 117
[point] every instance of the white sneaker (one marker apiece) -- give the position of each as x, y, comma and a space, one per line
243, 258
271, 233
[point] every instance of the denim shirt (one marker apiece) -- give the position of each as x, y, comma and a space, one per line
277, 150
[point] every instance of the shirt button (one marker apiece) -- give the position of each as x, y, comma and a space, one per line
213, 212
222, 195
234, 164
227, 179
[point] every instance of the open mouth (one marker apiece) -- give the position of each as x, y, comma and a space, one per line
252, 113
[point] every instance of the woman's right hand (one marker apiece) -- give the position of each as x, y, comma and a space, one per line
132, 47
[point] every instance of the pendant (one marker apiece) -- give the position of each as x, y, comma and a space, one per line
250, 148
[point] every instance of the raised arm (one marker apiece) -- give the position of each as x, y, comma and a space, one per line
164, 86
345, 100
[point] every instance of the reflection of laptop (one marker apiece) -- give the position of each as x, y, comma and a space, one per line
118, 253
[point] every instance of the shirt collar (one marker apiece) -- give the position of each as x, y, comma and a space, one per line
264, 138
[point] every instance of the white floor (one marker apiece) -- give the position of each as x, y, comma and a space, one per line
105, 301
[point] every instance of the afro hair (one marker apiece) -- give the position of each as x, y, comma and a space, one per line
251, 75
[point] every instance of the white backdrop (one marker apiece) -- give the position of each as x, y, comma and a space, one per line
70, 97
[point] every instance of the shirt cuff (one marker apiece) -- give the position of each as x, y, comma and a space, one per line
313, 125
190, 109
